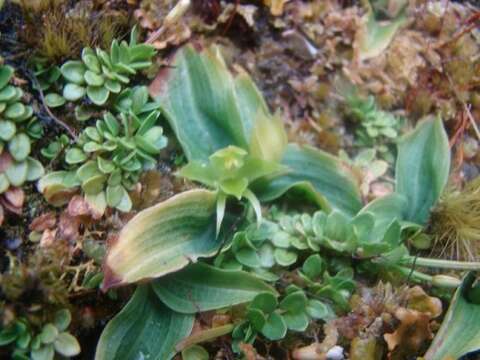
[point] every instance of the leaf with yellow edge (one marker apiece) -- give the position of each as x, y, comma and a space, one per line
163, 239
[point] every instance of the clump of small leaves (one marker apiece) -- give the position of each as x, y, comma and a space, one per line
100, 75
52, 338
108, 158
271, 318
374, 124
18, 130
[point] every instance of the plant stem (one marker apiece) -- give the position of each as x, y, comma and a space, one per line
442, 281
441, 264
206, 335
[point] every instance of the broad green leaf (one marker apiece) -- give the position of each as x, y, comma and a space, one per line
422, 169
144, 329
163, 239
206, 106
323, 171
201, 287
459, 334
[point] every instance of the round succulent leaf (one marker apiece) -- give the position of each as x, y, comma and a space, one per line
54, 100
153, 140
92, 146
114, 195
90, 60
93, 133
244, 251
284, 257
256, 318
74, 71
4, 185
7, 130
62, 319
297, 321
94, 185
282, 239
195, 352
295, 302
75, 156
35, 169
23, 340
319, 310
314, 267
275, 328
7, 93
73, 92
83, 112
26, 115
125, 204
114, 86
266, 302
49, 334
46, 352
98, 94
19, 147
93, 79
88, 170
265, 254
17, 173
67, 345
115, 178
105, 166
15, 111
112, 123
6, 73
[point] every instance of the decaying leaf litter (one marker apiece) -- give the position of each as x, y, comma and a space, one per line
251, 180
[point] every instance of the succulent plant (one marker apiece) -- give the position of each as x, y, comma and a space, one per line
54, 148
18, 128
108, 158
374, 123
99, 73
52, 338
266, 315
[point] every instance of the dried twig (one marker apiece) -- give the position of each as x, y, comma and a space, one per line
172, 17
70, 131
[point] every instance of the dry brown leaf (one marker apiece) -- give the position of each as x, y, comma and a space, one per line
68, 227
15, 196
419, 300
414, 330
276, 6
43, 222
5, 161
48, 238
